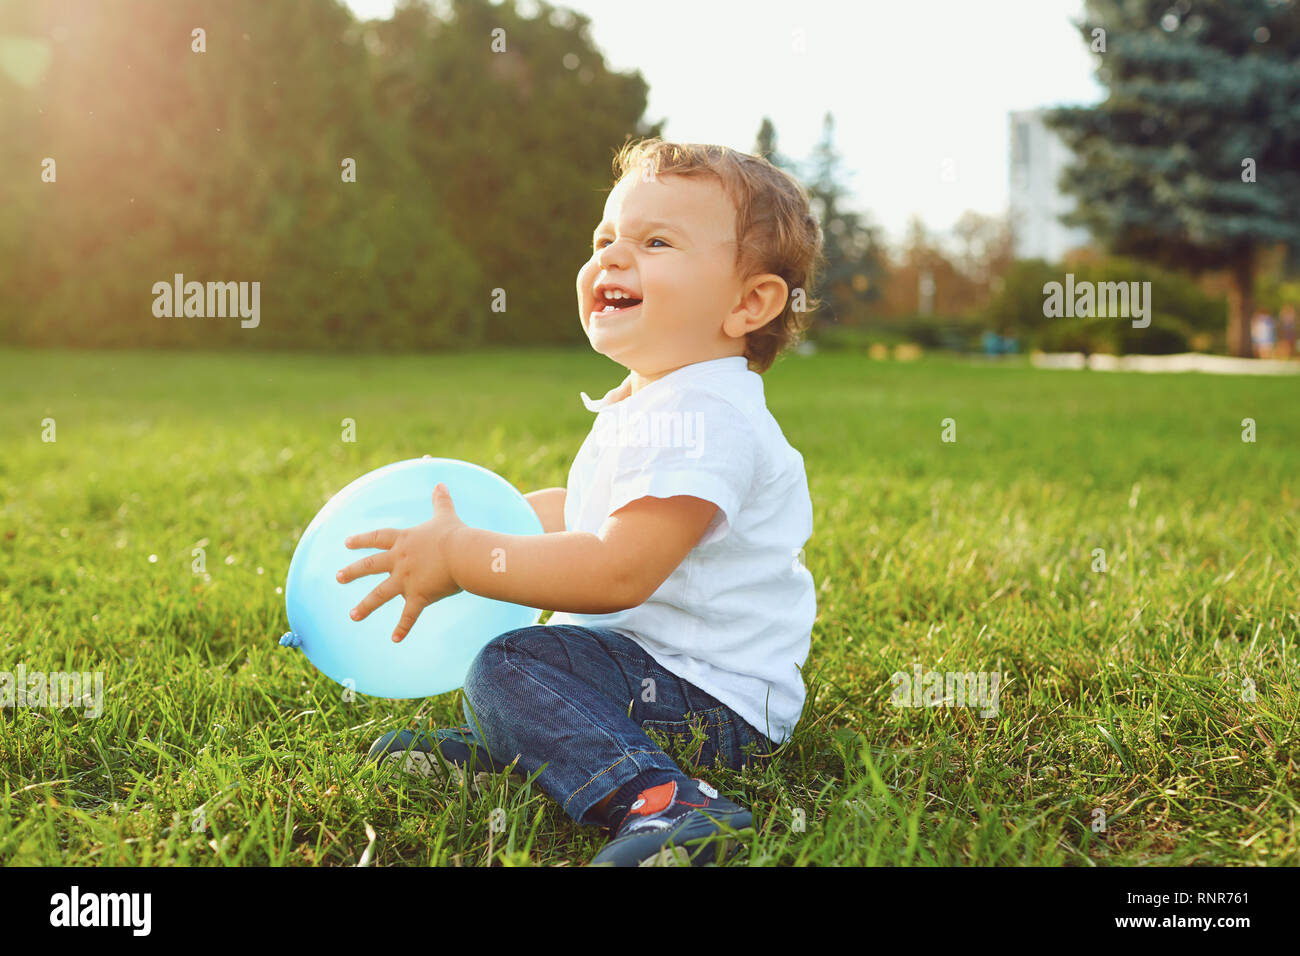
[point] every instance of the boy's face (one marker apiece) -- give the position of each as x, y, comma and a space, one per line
669, 242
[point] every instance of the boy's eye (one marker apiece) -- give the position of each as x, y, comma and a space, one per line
602, 239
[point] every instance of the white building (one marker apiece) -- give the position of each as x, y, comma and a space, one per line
1038, 156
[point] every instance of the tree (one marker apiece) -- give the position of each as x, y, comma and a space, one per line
765, 146
851, 243
222, 163
924, 280
985, 253
478, 166
515, 121
1193, 159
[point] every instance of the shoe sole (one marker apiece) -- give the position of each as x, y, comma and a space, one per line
669, 847
418, 761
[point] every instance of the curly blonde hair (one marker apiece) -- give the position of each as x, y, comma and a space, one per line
776, 231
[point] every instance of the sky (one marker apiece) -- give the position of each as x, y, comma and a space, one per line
920, 91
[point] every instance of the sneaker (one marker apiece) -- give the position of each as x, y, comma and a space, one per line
419, 752
663, 820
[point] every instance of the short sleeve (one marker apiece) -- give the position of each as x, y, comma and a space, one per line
689, 442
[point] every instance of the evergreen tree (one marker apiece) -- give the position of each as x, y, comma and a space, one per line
852, 245
765, 146
1193, 159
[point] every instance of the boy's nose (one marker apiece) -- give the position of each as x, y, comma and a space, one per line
611, 251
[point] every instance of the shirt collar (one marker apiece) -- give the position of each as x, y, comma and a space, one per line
713, 368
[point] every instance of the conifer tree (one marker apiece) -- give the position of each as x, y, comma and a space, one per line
1193, 158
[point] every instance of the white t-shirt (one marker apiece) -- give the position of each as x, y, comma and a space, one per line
735, 617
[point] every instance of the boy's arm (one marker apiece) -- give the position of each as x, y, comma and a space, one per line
549, 505
617, 568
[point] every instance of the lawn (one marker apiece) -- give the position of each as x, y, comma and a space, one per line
1147, 711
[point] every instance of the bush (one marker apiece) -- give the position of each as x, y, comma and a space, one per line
1164, 336
1078, 335
928, 331
1179, 309
852, 338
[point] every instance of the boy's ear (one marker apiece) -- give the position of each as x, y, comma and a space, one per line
762, 300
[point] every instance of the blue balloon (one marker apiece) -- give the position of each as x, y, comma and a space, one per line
435, 656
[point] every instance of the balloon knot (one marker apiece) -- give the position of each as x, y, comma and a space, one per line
290, 639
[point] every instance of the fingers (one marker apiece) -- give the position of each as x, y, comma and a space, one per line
370, 564
410, 612
382, 594
383, 538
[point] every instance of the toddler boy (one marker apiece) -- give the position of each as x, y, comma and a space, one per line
672, 557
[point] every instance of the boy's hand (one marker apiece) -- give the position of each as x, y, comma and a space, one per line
415, 559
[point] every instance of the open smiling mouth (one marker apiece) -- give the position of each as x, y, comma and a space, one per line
615, 308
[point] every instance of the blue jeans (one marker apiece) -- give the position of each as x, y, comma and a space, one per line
576, 702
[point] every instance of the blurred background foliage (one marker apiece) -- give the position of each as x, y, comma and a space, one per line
483, 158
475, 171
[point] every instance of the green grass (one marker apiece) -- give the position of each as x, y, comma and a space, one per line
1123, 691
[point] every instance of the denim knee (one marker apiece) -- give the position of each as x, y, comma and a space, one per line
487, 679
484, 671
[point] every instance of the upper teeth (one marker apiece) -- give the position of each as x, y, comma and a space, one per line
616, 294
